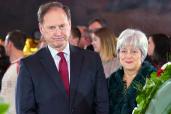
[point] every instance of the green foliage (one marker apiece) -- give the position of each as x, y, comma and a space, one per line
146, 93
3, 107
169, 109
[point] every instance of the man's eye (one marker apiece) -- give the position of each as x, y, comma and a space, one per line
51, 27
61, 26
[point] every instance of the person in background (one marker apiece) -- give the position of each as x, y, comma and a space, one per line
14, 45
60, 78
132, 46
75, 36
104, 43
93, 25
4, 62
159, 49
85, 39
96, 23
1, 41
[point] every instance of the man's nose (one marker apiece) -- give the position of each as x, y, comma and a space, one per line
57, 30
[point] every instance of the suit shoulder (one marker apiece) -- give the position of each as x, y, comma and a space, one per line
88, 54
34, 56
84, 52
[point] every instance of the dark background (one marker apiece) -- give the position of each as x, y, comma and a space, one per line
150, 16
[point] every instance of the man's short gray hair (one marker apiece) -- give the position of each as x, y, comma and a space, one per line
135, 38
44, 8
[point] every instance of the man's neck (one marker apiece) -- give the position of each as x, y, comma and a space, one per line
15, 56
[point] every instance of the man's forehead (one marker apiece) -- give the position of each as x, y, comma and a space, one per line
55, 15
95, 25
55, 11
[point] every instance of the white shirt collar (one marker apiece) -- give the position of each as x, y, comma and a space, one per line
17, 60
55, 52
56, 58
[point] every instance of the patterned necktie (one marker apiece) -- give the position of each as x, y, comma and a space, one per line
63, 70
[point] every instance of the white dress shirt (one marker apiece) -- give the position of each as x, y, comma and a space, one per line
57, 58
9, 81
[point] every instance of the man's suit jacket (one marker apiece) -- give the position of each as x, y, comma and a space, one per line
41, 91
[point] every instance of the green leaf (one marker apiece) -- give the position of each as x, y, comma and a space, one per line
3, 108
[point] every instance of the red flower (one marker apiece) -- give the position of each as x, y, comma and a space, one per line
159, 72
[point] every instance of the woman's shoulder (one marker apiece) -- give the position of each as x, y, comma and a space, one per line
147, 68
116, 77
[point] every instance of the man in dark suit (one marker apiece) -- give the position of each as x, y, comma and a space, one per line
60, 79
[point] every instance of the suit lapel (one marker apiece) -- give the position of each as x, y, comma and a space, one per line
76, 60
49, 66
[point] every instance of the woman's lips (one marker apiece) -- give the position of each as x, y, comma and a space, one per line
129, 62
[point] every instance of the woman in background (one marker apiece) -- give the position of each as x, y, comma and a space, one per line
104, 42
131, 50
159, 49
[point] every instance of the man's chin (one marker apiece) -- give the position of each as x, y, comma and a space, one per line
59, 46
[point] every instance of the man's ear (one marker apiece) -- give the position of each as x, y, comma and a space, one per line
70, 23
40, 28
10, 44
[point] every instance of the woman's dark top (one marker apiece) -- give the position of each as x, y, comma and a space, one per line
123, 99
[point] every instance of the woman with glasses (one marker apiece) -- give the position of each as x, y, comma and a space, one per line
131, 50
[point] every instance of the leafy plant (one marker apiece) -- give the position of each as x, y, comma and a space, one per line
3, 107
146, 93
